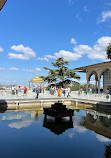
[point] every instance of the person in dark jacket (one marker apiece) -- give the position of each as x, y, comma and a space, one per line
37, 92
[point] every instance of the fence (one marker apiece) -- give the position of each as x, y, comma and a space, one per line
7, 94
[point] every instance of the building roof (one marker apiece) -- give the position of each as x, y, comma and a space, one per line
37, 79
83, 69
2, 2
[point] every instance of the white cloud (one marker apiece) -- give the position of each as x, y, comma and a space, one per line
96, 52
38, 69
27, 53
16, 56
2, 68
104, 16
28, 70
85, 9
99, 49
1, 49
14, 68
102, 138
73, 41
82, 49
50, 56
67, 55
44, 58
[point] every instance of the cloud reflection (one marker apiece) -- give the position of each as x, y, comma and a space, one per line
102, 138
77, 127
20, 124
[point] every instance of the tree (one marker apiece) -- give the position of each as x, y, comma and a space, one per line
109, 51
49, 78
62, 72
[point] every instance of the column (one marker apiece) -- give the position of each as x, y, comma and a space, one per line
87, 79
99, 79
96, 87
87, 84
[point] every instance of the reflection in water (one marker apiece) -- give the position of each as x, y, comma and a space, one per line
32, 138
102, 138
19, 119
57, 126
20, 124
99, 123
107, 153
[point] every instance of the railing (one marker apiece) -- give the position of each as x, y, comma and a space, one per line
7, 94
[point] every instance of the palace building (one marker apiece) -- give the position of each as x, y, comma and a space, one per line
2, 2
100, 70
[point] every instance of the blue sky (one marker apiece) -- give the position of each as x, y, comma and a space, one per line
34, 33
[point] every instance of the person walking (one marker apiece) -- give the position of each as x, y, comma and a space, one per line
64, 91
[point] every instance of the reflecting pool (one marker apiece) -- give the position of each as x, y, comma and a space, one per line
26, 134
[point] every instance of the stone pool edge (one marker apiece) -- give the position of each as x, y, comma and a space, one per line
15, 104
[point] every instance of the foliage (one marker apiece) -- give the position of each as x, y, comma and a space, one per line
61, 72
75, 86
49, 78
109, 51
2, 88
84, 87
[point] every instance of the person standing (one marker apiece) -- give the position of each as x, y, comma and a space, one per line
16, 88
60, 91
54, 91
68, 91
37, 92
25, 90
51, 90
107, 91
13, 90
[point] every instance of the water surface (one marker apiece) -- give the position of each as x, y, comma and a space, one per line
27, 135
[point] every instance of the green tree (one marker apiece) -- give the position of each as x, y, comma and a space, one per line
62, 72
49, 78
75, 86
108, 50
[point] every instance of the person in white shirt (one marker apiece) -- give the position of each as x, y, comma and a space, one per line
13, 90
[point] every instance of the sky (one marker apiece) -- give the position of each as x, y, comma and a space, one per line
35, 33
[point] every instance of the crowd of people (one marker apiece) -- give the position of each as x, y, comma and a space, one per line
23, 90
56, 91
89, 91
59, 91
18, 90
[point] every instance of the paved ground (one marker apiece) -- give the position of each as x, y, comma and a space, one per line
96, 97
